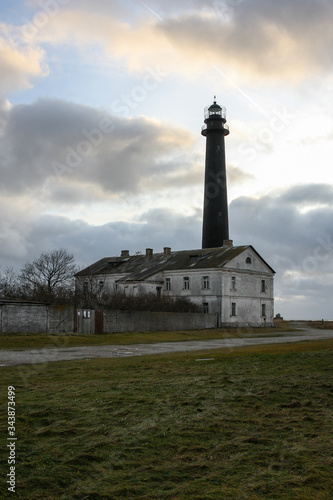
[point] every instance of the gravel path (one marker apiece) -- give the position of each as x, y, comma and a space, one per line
12, 357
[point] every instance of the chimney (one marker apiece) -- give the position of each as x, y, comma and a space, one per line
149, 253
215, 227
228, 243
167, 251
125, 253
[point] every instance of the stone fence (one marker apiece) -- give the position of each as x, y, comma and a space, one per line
28, 317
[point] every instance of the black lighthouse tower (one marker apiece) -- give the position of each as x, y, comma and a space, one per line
215, 215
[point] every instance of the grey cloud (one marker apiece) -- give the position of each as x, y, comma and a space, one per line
276, 222
154, 229
52, 139
309, 194
264, 37
298, 245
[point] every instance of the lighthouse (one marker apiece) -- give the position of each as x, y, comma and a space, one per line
215, 228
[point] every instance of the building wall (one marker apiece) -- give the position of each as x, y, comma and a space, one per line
197, 293
244, 289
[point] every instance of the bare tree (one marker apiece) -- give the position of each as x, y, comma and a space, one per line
9, 286
48, 275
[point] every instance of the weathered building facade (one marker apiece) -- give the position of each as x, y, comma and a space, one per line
233, 282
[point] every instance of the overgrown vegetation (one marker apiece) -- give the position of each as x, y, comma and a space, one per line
250, 423
147, 302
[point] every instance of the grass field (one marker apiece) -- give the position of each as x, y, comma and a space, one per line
38, 340
248, 423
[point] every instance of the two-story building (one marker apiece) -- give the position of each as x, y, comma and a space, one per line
233, 282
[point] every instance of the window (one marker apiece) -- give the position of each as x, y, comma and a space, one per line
86, 314
206, 282
85, 286
186, 283
233, 309
248, 260
263, 285
233, 282
158, 291
167, 283
263, 309
115, 287
100, 285
205, 307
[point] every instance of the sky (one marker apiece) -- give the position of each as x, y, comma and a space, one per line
101, 108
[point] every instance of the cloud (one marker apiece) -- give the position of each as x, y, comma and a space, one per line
297, 244
260, 39
20, 64
154, 229
309, 195
265, 39
237, 176
51, 146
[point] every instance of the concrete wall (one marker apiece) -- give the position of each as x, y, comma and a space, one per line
25, 318
61, 319
140, 321
42, 318
36, 318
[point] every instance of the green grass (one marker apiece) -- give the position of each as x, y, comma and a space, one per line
248, 423
37, 340
326, 325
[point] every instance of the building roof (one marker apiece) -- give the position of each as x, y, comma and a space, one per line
141, 267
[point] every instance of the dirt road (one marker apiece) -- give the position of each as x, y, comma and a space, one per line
14, 357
